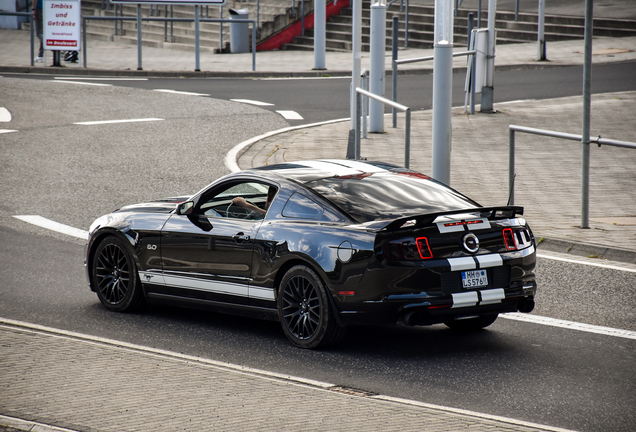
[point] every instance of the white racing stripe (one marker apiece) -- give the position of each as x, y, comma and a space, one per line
117, 121
181, 92
54, 226
290, 115
553, 322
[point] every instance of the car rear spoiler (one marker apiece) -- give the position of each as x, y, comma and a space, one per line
484, 212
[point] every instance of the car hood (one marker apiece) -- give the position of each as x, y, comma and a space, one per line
166, 205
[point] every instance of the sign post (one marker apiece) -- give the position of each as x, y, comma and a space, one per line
61, 21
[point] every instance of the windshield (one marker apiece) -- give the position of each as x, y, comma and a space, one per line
379, 196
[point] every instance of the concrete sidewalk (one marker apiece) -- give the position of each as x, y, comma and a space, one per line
90, 384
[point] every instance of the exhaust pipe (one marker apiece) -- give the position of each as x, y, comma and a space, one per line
525, 305
411, 318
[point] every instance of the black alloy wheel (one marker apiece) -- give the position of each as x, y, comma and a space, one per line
114, 276
472, 324
305, 312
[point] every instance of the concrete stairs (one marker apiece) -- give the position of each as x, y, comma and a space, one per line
274, 15
421, 25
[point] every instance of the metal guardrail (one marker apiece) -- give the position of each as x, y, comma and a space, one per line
572, 137
196, 20
407, 129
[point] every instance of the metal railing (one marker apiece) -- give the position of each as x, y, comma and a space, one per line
572, 137
407, 128
196, 20
32, 28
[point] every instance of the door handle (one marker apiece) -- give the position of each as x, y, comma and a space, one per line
240, 237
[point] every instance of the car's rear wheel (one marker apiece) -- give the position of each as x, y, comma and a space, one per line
114, 276
306, 314
472, 324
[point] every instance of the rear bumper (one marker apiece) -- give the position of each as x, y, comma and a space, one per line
427, 309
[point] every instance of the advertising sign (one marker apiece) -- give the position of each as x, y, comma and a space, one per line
61, 20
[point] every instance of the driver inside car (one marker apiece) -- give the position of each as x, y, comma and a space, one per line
241, 202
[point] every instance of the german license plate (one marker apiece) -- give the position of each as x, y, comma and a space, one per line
474, 278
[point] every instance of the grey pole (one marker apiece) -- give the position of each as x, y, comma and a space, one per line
511, 166
541, 32
376, 73
320, 30
442, 90
197, 67
585, 137
487, 92
394, 57
139, 37
356, 42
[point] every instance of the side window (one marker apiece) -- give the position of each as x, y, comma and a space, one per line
299, 206
244, 200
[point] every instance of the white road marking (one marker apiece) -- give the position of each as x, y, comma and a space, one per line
252, 102
6, 131
54, 226
5, 115
281, 378
586, 261
290, 115
536, 319
181, 92
553, 322
99, 79
117, 121
232, 156
84, 83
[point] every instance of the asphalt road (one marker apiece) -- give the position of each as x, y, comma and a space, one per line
73, 173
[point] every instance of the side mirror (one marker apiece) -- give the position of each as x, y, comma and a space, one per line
185, 208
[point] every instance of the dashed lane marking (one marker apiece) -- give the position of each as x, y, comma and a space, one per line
7, 131
5, 115
181, 92
83, 83
53, 226
117, 121
290, 115
252, 102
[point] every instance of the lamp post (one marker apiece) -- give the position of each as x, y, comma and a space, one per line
442, 90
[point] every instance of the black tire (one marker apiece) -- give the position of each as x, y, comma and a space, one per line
305, 312
472, 324
114, 276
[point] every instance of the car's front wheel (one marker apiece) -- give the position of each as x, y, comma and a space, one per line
114, 276
472, 324
305, 312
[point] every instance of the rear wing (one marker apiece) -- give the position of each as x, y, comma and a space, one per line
500, 212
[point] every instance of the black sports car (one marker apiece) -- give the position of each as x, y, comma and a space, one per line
319, 245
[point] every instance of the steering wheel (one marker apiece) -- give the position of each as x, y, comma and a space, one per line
243, 214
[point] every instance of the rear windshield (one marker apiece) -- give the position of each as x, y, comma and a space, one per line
380, 196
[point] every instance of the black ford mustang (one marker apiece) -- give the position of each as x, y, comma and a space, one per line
319, 245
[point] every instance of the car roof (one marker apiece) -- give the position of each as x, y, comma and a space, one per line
307, 171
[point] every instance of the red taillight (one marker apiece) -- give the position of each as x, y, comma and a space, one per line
509, 239
408, 249
516, 238
423, 248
